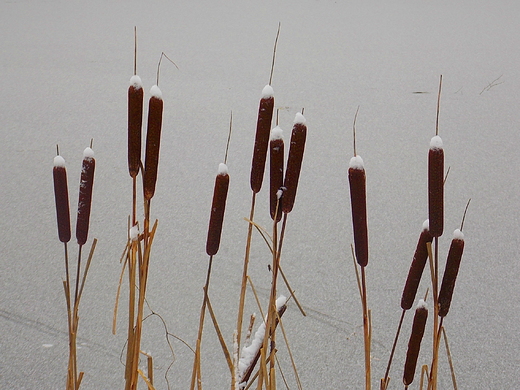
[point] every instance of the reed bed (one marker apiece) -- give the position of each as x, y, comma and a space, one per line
252, 356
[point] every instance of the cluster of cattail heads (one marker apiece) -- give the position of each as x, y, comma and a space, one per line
84, 200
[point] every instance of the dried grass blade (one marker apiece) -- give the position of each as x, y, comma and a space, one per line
220, 337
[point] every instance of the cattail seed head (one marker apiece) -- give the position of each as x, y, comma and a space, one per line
450, 272
294, 162
263, 127
276, 147
414, 344
218, 207
416, 268
153, 140
61, 195
85, 195
358, 199
135, 122
436, 186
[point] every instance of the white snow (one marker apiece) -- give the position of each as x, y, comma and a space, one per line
267, 92
426, 225
134, 232
276, 133
279, 193
458, 235
136, 82
436, 142
249, 352
422, 304
88, 153
299, 118
155, 92
59, 161
356, 162
222, 169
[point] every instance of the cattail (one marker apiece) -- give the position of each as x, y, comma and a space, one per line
135, 122
263, 127
450, 272
414, 344
358, 199
416, 268
61, 195
294, 162
85, 195
218, 207
276, 148
153, 140
436, 187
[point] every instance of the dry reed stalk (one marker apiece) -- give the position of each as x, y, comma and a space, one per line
153, 141
414, 344
276, 152
294, 162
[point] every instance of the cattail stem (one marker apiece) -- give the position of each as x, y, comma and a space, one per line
196, 372
385, 380
244, 271
366, 330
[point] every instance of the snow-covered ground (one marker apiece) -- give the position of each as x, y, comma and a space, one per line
65, 68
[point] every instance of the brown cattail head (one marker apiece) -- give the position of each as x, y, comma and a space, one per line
450, 272
86, 185
414, 344
276, 148
436, 186
294, 162
358, 199
218, 207
153, 140
263, 127
416, 268
135, 123
61, 195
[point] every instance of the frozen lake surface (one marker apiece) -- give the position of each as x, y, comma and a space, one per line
65, 70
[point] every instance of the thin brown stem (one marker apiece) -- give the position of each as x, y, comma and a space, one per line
385, 379
366, 330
